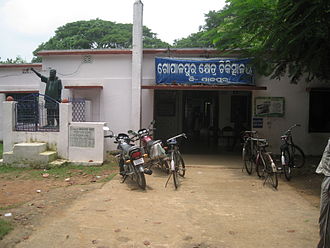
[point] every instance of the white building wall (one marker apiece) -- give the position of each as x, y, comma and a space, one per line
113, 72
18, 79
296, 111
111, 104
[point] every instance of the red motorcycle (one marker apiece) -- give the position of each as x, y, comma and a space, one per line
153, 148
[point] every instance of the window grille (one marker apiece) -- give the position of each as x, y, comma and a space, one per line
78, 109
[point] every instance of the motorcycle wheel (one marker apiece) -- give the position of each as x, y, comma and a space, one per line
140, 179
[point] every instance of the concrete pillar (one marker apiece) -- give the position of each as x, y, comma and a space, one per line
137, 56
2, 99
63, 137
8, 124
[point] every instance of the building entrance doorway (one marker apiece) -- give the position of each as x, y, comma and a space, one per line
212, 120
200, 120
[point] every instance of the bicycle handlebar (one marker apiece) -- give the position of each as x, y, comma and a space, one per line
253, 132
259, 140
177, 136
290, 129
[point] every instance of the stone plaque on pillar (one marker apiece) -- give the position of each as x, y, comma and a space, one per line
82, 137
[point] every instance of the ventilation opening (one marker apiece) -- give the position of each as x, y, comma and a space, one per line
87, 59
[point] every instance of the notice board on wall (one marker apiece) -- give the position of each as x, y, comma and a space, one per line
269, 106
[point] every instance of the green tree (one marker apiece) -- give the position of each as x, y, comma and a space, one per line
17, 60
198, 39
204, 37
283, 36
97, 34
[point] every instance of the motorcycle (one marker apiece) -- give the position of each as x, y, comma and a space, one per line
130, 157
153, 148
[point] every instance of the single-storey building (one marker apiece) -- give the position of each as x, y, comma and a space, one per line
103, 78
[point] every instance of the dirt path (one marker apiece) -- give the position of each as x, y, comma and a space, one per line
216, 207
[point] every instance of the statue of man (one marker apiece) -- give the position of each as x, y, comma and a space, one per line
52, 94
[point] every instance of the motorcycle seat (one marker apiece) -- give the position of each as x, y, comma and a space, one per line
133, 148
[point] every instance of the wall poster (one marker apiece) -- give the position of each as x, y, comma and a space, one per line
269, 106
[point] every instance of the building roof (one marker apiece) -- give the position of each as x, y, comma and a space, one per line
34, 65
166, 51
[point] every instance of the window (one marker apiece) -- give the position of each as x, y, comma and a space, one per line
319, 110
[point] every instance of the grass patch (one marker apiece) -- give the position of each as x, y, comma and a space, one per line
70, 170
11, 206
75, 170
1, 149
5, 228
108, 178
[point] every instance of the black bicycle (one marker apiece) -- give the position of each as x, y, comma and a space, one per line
249, 152
174, 161
265, 165
292, 156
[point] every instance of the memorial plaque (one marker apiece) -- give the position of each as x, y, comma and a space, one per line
82, 137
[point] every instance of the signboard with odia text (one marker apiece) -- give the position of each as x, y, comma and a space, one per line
217, 71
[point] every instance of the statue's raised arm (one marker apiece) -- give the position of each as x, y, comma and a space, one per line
43, 78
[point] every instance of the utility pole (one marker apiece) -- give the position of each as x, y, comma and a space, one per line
137, 57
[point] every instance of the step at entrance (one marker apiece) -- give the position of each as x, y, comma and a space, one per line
29, 155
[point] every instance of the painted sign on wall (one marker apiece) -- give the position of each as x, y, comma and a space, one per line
216, 71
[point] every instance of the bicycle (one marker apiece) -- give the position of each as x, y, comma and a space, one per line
176, 163
249, 151
265, 166
292, 156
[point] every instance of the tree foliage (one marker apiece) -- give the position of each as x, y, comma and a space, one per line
17, 60
283, 36
97, 34
198, 39
203, 38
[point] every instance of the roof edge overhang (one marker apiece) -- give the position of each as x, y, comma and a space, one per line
205, 87
166, 51
18, 91
309, 89
20, 65
84, 87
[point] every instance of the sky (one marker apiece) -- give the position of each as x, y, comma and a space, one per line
25, 24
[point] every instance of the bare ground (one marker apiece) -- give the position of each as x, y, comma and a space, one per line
30, 201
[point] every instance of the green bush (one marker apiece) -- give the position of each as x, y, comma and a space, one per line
5, 227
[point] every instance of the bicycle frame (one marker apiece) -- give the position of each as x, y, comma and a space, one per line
248, 151
269, 167
289, 145
174, 157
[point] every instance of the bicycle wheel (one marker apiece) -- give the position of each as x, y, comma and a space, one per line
271, 170
180, 166
260, 167
298, 156
247, 157
286, 166
174, 170
175, 179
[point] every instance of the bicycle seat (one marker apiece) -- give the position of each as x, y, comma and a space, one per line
263, 145
172, 142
